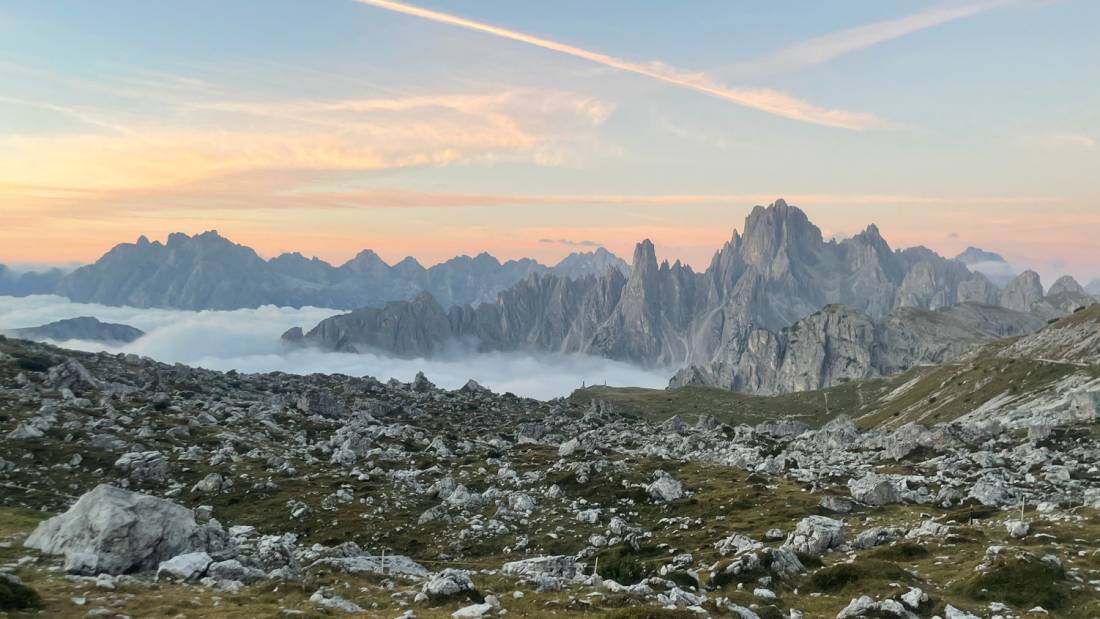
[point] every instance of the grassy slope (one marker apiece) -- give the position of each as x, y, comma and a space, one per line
812, 407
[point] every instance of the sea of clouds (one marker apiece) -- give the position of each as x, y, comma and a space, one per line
248, 340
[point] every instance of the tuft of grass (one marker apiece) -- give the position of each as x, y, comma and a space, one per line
622, 566
902, 551
17, 520
852, 576
17, 596
651, 613
32, 363
730, 407
971, 511
683, 580
810, 561
769, 612
1022, 582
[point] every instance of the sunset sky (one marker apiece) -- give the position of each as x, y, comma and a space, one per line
537, 128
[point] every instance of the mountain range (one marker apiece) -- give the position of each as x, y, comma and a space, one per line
777, 273
209, 272
23, 283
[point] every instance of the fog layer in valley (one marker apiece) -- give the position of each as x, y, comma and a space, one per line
247, 340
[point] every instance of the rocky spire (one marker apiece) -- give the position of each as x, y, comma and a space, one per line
1023, 292
778, 232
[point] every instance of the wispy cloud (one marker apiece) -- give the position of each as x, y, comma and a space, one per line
276, 191
766, 100
569, 242
204, 140
82, 116
1059, 140
825, 48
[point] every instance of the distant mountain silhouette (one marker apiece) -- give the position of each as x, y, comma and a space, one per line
208, 271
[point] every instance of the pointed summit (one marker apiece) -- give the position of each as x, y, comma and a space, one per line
871, 233
871, 237
645, 257
366, 262
1066, 284
777, 229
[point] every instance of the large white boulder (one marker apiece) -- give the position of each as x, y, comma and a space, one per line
448, 583
474, 610
816, 534
874, 489
187, 567
117, 531
665, 489
561, 566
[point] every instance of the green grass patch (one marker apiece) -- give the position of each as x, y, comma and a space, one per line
683, 580
17, 596
812, 407
1023, 583
651, 613
844, 577
622, 566
903, 551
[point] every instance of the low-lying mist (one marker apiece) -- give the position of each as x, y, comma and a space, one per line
248, 340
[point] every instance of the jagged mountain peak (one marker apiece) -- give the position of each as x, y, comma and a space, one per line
366, 255
645, 256
487, 258
408, 263
295, 256
775, 229
208, 238
871, 236
366, 261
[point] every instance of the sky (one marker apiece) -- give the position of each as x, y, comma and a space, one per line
443, 127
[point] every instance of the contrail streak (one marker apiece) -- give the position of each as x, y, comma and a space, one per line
825, 48
761, 99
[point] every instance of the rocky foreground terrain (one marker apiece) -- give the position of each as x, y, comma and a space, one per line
134, 488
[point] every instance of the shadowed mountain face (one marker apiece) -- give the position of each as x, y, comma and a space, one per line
838, 344
207, 271
780, 271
